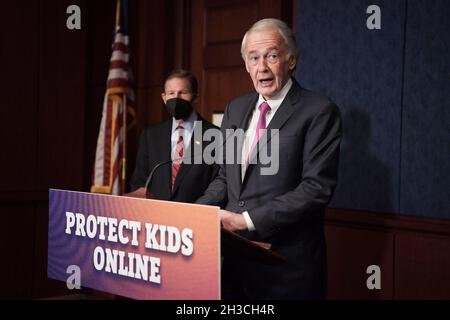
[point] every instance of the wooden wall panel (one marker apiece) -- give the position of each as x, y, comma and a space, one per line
99, 21
413, 254
228, 22
44, 79
62, 98
17, 249
152, 39
350, 252
19, 54
218, 79
151, 99
422, 267
275, 9
197, 60
223, 55
216, 41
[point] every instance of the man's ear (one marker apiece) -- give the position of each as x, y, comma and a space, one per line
163, 97
246, 66
292, 62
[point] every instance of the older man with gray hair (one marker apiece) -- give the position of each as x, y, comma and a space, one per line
285, 209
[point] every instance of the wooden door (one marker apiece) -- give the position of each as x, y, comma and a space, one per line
218, 27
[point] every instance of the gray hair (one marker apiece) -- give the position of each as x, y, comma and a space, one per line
271, 23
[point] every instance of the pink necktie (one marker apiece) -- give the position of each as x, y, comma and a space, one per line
179, 152
261, 125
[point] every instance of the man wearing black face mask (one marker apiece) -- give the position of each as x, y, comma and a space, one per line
181, 180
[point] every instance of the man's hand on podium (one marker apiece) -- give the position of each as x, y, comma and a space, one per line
138, 193
232, 221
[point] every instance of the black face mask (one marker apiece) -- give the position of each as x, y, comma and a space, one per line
179, 108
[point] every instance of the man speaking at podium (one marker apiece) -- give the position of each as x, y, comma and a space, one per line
286, 208
174, 139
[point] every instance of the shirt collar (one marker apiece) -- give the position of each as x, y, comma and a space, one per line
188, 124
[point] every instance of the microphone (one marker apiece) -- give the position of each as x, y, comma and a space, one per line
159, 165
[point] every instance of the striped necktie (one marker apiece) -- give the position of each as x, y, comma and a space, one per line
179, 153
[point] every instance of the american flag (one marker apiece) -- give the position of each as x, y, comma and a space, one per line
110, 157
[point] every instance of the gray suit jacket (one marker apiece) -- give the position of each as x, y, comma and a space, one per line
287, 208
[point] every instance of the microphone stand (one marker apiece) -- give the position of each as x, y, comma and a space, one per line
148, 194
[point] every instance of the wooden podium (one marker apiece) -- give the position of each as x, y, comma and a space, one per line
232, 244
236, 246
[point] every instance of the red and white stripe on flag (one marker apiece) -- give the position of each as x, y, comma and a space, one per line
109, 166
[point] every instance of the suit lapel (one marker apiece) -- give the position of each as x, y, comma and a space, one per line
237, 172
284, 112
165, 150
185, 168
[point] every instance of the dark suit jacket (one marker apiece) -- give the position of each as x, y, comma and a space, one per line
287, 208
155, 147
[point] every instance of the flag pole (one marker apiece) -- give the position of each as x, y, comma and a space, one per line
117, 15
109, 172
120, 11
124, 139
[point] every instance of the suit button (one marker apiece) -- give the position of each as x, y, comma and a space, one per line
241, 203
